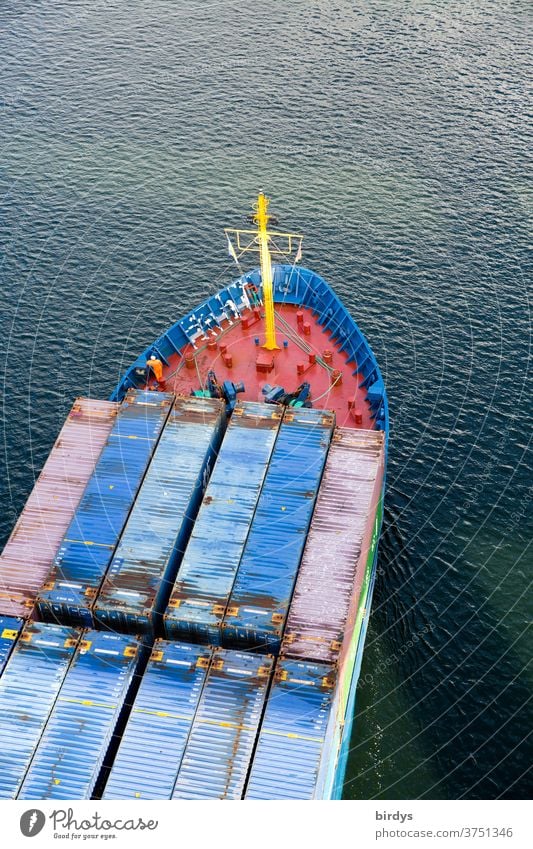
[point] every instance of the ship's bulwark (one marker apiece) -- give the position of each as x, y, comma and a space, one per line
320, 343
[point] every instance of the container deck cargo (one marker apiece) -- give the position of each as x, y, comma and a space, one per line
68, 759
217, 756
10, 627
87, 547
194, 733
149, 756
28, 689
334, 564
143, 569
259, 601
207, 571
290, 746
29, 552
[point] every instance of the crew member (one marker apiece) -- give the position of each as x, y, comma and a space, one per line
156, 367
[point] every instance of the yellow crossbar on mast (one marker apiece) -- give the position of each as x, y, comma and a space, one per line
261, 242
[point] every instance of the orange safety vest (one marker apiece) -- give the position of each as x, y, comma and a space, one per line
157, 368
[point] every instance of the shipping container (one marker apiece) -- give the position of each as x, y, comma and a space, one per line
290, 745
259, 601
149, 756
68, 759
140, 578
326, 597
88, 545
28, 690
217, 756
29, 552
10, 627
208, 568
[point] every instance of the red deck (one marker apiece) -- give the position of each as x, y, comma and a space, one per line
233, 355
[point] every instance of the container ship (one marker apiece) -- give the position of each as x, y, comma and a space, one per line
185, 596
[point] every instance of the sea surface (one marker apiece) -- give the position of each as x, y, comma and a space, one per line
394, 135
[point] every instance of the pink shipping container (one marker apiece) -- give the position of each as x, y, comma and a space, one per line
325, 601
34, 541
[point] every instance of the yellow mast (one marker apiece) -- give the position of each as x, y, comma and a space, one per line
262, 218
262, 242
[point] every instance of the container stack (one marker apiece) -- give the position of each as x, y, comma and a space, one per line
193, 725
200, 595
257, 608
251, 542
217, 756
150, 752
136, 589
319, 648
69, 756
293, 731
30, 550
10, 627
87, 547
29, 688
340, 545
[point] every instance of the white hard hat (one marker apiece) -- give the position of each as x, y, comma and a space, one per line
152, 357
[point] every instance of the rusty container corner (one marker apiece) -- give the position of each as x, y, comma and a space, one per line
10, 628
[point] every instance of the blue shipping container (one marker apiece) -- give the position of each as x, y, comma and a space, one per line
67, 762
10, 627
136, 589
217, 756
28, 689
207, 571
259, 601
148, 759
291, 739
88, 545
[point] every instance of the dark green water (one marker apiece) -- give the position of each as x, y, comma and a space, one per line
395, 136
